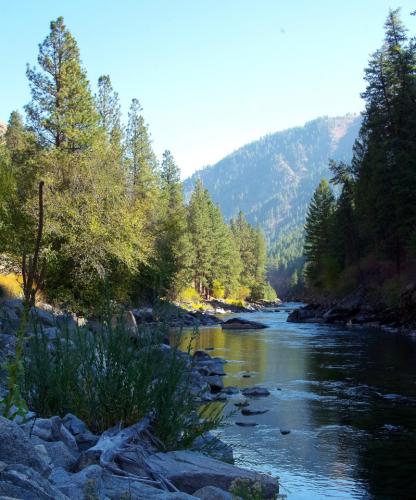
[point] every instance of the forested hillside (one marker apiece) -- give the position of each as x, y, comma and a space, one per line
272, 180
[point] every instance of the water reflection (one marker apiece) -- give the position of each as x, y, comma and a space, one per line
348, 397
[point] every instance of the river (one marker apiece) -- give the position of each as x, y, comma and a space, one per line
348, 397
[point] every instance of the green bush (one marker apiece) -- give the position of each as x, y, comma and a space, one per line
110, 377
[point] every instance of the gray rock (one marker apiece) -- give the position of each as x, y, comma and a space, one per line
214, 447
189, 471
284, 432
44, 317
24, 483
242, 324
15, 304
213, 493
231, 390
66, 322
246, 424
51, 429
51, 332
201, 356
255, 391
212, 367
16, 448
74, 424
95, 482
215, 382
86, 440
242, 404
248, 411
60, 455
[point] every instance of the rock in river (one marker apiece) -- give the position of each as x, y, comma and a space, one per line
242, 324
247, 412
256, 391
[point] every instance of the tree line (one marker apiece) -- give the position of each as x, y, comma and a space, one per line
361, 226
116, 223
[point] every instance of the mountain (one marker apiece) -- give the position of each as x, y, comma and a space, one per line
272, 179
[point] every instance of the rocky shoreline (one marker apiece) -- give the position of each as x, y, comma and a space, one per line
357, 310
59, 457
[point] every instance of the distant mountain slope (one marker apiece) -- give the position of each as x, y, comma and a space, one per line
272, 179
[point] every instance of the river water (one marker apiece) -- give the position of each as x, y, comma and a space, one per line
348, 397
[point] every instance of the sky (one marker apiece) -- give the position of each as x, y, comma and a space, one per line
211, 75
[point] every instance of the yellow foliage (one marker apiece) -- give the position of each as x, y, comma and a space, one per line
189, 296
218, 290
11, 286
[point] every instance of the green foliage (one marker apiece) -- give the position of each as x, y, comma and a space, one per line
111, 377
62, 111
317, 232
247, 489
375, 213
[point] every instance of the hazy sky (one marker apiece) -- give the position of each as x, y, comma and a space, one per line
210, 75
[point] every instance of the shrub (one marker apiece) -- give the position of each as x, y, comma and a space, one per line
110, 377
218, 290
248, 490
189, 296
11, 286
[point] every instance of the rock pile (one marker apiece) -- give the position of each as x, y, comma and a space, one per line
61, 459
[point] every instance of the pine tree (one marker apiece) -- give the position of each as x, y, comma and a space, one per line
384, 159
173, 252
109, 109
317, 232
62, 111
200, 231
141, 158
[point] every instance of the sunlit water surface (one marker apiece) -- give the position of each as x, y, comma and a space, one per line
348, 396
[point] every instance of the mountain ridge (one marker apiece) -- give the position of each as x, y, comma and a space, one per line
272, 179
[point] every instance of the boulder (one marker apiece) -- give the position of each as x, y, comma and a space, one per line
312, 313
231, 390
74, 424
190, 471
214, 447
46, 318
213, 493
215, 382
255, 391
95, 482
51, 429
59, 455
24, 483
15, 447
247, 412
242, 324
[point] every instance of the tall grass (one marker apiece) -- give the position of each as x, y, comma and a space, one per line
110, 377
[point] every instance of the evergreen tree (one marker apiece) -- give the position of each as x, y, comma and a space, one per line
109, 109
318, 232
173, 252
62, 111
141, 158
200, 231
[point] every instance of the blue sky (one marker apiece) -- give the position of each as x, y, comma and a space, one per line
211, 75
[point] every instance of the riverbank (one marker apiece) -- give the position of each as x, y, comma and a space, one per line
60, 457
360, 309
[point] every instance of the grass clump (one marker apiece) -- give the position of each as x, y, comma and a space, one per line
111, 377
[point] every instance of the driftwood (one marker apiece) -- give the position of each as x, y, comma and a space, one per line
120, 446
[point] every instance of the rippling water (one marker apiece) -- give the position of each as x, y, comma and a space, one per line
348, 396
